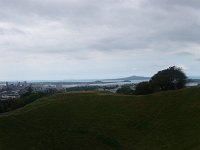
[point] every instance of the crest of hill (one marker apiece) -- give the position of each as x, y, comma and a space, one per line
83, 121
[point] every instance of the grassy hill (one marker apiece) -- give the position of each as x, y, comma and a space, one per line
94, 121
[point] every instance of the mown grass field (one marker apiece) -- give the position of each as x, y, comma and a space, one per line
94, 121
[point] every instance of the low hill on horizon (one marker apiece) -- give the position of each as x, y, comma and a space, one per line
133, 78
95, 121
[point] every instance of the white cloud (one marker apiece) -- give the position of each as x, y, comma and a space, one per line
108, 37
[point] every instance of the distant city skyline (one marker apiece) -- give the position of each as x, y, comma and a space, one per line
91, 39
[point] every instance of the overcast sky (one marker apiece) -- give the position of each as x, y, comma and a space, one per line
82, 39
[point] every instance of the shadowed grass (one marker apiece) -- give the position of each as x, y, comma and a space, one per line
162, 121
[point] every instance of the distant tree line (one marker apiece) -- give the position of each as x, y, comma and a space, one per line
172, 78
125, 89
82, 88
29, 97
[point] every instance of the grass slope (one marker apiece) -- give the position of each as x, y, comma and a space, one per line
163, 121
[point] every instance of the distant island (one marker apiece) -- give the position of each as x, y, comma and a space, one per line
133, 78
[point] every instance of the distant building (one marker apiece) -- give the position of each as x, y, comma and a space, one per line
9, 95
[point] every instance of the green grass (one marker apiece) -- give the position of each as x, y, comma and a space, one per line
94, 121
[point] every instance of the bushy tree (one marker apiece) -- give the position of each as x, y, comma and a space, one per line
125, 89
143, 88
169, 79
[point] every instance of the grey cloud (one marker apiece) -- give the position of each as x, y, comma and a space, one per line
5, 31
86, 29
184, 54
174, 3
127, 27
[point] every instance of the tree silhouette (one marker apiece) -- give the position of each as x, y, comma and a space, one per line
169, 79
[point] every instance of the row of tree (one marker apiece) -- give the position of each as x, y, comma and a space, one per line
8, 105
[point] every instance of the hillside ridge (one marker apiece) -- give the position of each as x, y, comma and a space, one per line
162, 121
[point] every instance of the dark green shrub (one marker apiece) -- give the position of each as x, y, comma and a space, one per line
143, 88
125, 89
